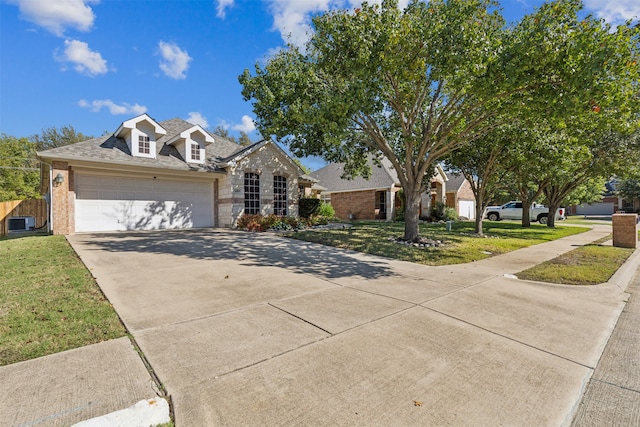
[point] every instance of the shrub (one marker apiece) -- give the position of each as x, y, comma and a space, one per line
308, 206
250, 222
440, 212
268, 222
450, 214
326, 210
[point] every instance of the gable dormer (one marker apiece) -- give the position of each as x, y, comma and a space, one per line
191, 144
141, 134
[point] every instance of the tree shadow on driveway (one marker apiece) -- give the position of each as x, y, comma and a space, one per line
246, 248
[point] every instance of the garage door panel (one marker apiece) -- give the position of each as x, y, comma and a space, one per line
604, 208
141, 204
467, 208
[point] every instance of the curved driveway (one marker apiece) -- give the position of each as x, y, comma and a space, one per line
255, 329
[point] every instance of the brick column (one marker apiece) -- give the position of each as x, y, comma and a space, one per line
625, 230
62, 199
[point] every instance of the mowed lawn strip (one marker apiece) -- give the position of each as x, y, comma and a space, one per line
49, 302
460, 245
588, 265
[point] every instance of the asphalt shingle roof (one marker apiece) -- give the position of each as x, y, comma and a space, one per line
109, 149
455, 182
383, 176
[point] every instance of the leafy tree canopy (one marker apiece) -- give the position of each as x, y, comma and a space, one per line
415, 85
19, 175
53, 137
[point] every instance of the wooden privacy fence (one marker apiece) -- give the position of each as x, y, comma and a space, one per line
36, 208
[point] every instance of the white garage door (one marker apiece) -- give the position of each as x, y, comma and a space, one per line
107, 203
467, 208
595, 209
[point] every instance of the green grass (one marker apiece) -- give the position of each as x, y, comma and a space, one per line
460, 245
49, 301
588, 265
582, 220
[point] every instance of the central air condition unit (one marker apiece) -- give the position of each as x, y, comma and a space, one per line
22, 223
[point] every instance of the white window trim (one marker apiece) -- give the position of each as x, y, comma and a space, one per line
135, 144
189, 143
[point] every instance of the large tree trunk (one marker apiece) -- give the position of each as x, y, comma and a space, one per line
526, 212
479, 212
555, 196
412, 215
553, 208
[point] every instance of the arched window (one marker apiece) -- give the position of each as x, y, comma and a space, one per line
251, 193
280, 195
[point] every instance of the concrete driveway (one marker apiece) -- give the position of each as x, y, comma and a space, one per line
255, 329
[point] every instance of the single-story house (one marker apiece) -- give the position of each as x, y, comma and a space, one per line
376, 197
170, 174
460, 196
608, 205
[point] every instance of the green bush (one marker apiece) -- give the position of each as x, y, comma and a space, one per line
326, 210
450, 214
440, 212
308, 206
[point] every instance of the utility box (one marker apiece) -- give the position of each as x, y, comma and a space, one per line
625, 230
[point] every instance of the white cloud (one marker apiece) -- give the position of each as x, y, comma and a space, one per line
57, 15
175, 61
98, 104
246, 126
85, 60
292, 18
223, 124
197, 119
614, 11
222, 6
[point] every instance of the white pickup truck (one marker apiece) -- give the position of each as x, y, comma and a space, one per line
513, 210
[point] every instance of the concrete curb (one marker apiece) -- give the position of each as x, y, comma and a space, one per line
625, 273
148, 412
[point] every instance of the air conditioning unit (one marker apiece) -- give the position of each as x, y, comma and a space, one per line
22, 223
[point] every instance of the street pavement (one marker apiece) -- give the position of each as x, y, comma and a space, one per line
255, 329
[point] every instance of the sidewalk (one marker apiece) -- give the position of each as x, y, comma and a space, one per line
612, 397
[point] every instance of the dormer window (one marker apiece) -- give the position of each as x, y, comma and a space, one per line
191, 144
143, 144
195, 152
141, 134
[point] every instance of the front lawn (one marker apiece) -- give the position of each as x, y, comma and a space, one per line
460, 245
587, 265
49, 301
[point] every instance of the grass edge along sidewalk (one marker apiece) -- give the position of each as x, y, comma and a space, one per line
590, 264
49, 301
458, 246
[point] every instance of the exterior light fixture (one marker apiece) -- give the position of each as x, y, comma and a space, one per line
58, 180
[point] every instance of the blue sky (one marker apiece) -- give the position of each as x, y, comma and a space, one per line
95, 63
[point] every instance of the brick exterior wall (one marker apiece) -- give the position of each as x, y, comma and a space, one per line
466, 193
625, 230
361, 204
63, 200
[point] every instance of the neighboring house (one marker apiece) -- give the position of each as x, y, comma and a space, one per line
609, 204
373, 198
460, 196
171, 174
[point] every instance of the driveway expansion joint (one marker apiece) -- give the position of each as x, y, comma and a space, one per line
300, 318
